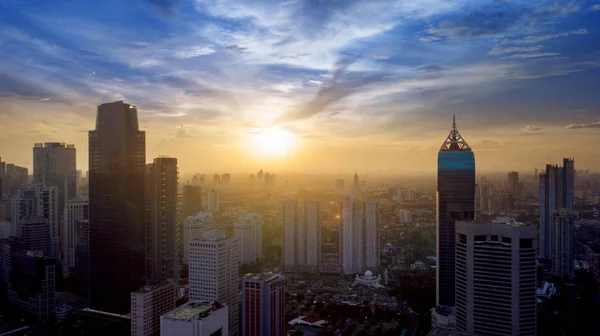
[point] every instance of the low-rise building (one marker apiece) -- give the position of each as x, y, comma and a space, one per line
196, 319
148, 304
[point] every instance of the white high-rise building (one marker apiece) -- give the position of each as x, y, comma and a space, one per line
302, 236
193, 227
148, 304
349, 240
359, 236
211, 200
248, 230
76, 209
404, 216
371, 227
214, 272
496, 278
196, 319
312, 221
290, 223
38, 200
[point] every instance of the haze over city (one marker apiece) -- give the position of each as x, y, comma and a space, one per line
308, 86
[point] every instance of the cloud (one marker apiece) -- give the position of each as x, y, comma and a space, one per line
490, 20
595, 124
595, 7
429, 68
530, 55
539, 38
530, 128
501, 50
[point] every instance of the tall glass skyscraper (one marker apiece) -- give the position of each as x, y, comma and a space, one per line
117, 207
455, 202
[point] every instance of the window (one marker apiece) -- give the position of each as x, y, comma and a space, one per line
506, 240
526, 243
462, 238
480, 238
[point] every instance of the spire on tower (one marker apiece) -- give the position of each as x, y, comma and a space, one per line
455, 142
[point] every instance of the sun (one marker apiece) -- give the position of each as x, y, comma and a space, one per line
272, 142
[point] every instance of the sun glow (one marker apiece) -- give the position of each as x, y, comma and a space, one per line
272, 142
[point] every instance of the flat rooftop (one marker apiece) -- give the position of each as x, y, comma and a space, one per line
448, 332
192, 311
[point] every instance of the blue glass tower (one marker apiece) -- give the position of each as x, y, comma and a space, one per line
455, 202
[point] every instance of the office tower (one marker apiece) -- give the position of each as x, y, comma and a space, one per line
54, 165
34, 234
292, 244
556, 192
192, 200
14, 177
5, 229
196, 319
513, 185
248, 230
371, 227
496, 278
563, 259
117, 161
82, 259
161, 220
339, 185
260, 176
8, 247
356, 182
76, 209
225, 178
193, 227
211, 201
351, 238
31, 286
148, 304
214, 272
42, 201
312, 225
455, 202
263, 305
216, 179
195, 180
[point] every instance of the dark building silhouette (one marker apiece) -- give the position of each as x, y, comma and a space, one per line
455, 202
161, 220
117, 207
82, 259
513, 186
356, 182
35, 234
54, 165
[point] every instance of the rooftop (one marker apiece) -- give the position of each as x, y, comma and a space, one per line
448, 332
151, 286
193, 311
266, 276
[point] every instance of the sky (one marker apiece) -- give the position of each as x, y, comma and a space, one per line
308, 85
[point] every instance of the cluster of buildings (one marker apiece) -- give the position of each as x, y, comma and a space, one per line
486, 270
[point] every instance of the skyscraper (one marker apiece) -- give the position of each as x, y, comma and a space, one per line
248, 230
263, 305
496, 278
117, 207
192, 200
54, 165
214, 272
193, 227
359, 236
563, 259
34, 234
161, 220
211, 201
302, 236
371, 227
513, 185
455, 202
42, 201
356, 183
556, 192
77, 209
148, 304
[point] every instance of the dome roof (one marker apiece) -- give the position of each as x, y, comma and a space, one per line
368, 273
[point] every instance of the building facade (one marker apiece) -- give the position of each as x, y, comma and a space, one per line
513, 185
556, 192
77, 209
372, 228
117, 160
563, 258
34, 234
42, 201
214, 272
248, 230
193, 227
302, 236
455, 202
290, 240
359, 236
263, 305
211, 200
148, 304
496, 278
161, 219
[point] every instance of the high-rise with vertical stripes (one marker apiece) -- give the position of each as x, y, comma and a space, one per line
302, 236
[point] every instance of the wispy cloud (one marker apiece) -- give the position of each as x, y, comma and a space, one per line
530, 128
586, 125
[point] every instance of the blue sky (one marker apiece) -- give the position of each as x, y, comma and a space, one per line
377, 79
